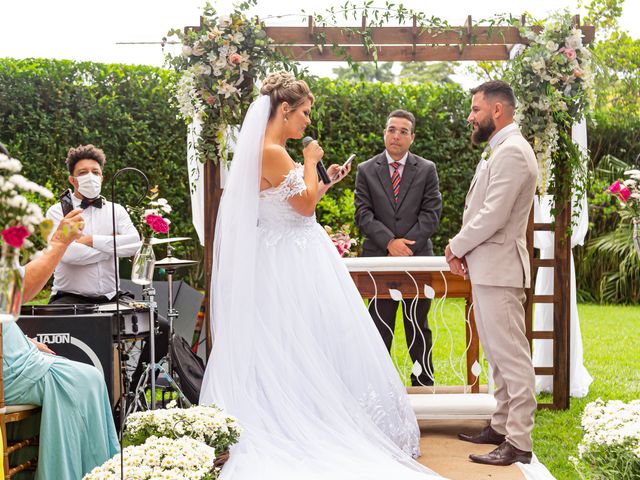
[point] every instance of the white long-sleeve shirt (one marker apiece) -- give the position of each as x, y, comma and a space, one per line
89, 271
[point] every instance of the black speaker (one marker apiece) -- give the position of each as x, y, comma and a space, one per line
83, 338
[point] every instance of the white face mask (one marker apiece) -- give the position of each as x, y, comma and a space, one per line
89, 185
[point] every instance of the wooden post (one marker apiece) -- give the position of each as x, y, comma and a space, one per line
562, 292
528, 304
212, 195
473, 354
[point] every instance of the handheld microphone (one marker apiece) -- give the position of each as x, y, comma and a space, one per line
322, 172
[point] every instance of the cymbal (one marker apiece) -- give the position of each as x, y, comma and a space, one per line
156, 241
173, 262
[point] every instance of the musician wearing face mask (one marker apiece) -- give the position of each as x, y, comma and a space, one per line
86, 273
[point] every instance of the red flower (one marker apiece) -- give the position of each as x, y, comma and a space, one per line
157, 223
624, 194
615, 187
235, 58
15, 236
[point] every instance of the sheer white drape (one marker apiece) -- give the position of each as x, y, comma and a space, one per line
543, 316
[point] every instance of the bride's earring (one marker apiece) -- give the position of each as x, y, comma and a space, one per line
286, 118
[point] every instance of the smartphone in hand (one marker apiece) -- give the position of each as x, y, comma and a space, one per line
344, 166
66, 202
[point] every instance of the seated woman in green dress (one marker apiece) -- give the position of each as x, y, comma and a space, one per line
77, 432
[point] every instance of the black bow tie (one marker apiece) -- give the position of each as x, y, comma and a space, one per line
91, 202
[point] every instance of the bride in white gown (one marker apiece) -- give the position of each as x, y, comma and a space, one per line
296, 357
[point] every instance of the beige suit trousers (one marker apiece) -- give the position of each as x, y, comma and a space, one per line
499, 315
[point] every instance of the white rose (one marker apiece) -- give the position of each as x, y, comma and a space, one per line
552, 46
198, 49
574, 40
186, 51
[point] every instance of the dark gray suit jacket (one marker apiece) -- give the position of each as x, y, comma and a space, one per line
414, 217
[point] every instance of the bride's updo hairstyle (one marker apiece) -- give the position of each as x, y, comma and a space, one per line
283, 87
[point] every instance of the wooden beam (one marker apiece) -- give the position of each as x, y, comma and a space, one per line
398, 53
478, 35
543, 334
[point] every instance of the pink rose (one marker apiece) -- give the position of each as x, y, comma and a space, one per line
615, 187
157, 223
235, 58
211, 100
15, 236
624, 194
570, 53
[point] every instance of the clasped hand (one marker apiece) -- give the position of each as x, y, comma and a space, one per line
458, 266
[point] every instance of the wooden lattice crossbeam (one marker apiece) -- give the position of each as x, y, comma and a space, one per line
410, 43
313, 43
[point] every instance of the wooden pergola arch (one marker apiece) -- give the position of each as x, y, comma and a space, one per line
414, 43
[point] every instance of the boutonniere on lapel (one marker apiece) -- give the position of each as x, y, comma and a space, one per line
486, 154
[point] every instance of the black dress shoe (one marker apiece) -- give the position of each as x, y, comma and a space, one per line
505, 454
487, 435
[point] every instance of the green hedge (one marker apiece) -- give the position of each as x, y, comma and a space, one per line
46, 106
350, 118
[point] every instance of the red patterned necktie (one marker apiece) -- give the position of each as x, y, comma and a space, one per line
395, 180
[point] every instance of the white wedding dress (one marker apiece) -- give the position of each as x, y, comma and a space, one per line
296, 357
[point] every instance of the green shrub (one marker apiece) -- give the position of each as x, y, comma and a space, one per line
47, 106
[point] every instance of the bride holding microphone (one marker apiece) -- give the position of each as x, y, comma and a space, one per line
296, 357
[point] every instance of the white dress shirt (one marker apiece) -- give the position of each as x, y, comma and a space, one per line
89, 271
402, 161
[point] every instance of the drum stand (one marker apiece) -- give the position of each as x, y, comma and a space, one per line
154, 369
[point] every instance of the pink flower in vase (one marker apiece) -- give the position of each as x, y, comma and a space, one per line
157, 223
15, 236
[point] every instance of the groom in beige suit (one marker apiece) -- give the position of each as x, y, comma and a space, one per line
491, 250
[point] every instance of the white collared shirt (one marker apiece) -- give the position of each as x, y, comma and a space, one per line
402, 161
501, 134
89, 271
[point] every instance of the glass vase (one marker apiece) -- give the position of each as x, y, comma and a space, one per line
636, 234
143, 263
10, 284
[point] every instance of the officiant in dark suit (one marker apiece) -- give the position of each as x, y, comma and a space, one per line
398, 206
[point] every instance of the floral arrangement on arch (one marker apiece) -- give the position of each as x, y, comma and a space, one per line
149, 218
19, 217
610, 447
628, 192
218, 65
342, 241
553, 80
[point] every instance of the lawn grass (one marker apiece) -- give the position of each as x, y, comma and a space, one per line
610, 336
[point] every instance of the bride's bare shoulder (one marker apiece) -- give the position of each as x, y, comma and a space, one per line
276, 162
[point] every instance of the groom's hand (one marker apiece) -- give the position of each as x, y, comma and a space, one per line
398, 247
458, 266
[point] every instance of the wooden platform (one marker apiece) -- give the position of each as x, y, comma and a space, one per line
449, 457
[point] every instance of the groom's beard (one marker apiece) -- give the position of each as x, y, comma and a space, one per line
483, 132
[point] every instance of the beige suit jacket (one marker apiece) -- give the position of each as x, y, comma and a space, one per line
494, 223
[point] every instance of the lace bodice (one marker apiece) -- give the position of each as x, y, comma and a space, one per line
277, 219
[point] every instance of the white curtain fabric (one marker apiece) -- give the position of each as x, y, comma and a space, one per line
543, 316
196, 179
